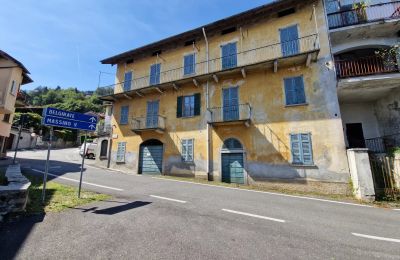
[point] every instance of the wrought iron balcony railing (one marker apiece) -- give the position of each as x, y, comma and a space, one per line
155, 122
226, 114
367, 14
244, 58
364, 66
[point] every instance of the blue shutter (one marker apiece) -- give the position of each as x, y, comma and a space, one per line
225, 56
124, 115
299, 89
301, 149
233, 55
155, 72
290, 44
306, 149
294, 91
295, 148
290, 92
189, 64
121, 152
128, 81
229, 55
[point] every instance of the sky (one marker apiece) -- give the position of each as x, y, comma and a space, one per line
61, 42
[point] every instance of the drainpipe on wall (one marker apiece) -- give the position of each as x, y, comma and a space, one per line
207, 109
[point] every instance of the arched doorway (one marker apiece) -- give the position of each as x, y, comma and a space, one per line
150, 157
103, 149
232, 161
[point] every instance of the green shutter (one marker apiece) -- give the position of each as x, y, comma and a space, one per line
179, 107
197, 104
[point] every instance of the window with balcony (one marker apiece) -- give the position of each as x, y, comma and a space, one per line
188, 106
230, 104
294, 91
123, 119
290, 43
229, 55
301, 149
187, 150
128, 81
189, 64
155, 73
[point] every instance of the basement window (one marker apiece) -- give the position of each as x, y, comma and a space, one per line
228, 30
286, 12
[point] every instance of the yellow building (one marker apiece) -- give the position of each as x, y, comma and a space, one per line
249, 99
13, 74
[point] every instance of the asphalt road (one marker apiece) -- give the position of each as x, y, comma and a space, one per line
152, 218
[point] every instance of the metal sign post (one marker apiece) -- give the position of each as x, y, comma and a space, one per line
83, 162
22, 120
66, 119
47, 165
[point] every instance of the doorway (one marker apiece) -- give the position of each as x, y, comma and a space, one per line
355, 135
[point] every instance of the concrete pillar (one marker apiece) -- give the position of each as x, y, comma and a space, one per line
361, 174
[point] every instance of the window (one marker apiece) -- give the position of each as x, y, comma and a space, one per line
13, 88
301, 149
123, 119
294, 91
188, 106
155, 71
229, 55
189, 64
128, 81
290, 43
121, 151
187, 150
6, 118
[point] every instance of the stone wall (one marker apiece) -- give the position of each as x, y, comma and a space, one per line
14, 196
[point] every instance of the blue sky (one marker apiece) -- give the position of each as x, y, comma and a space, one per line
62, 41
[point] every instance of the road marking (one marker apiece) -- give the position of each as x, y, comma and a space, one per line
164, 198
270, 193
254, 215
397, 209
73, 180
377, 238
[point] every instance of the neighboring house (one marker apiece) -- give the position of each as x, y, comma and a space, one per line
28, 139
248, 99
368, 84
13, 74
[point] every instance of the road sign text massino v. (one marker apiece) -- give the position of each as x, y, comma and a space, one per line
68, 119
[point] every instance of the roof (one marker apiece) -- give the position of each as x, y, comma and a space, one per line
243, 18
26, 79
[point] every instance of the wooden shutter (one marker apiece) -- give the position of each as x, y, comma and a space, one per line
179, 107
121, 152
295, 148
306, 148
290, 92
299, 89
197, 104
128, 81
124, 115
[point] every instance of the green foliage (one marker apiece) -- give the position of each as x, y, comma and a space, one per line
65, 134
393, 151
102, 91
33, 120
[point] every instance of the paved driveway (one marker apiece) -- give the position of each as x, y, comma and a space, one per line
152, 218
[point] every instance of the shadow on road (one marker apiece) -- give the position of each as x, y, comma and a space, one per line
116, 209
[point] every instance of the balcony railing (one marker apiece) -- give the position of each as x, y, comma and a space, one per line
257, 55
155, 122
383, 144
371, 13
228, 114
364, 66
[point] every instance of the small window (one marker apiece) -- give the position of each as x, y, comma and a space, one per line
229, 55
155, 72
187, 150
301, 149
189, 64
121, 152
13, 88
128, 81
6, 118
188, 106
123, 120
294, 91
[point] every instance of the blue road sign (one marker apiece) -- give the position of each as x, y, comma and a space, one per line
67, 119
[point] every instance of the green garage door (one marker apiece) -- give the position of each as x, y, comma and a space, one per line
232, 168
150, 159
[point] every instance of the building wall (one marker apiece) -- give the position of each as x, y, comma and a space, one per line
266, 141
387, 110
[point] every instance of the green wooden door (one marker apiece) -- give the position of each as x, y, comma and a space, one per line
150, 159
232, 168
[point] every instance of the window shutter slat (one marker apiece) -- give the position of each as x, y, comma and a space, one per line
295, 148
179, 107
197, 104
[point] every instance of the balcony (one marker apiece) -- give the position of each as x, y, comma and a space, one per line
149, 123
368, 14
364, 66
103, 129
230, 115
299, 51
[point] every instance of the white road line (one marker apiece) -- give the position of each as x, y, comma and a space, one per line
397, 209
270, 193
164, 198
377, 238
253, 215
73, 180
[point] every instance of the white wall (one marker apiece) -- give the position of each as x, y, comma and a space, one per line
361, 113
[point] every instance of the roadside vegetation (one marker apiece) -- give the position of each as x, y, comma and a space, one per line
58, 196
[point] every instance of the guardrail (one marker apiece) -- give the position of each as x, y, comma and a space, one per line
363, 67
240, 112
147, 123
371, 13
243, 58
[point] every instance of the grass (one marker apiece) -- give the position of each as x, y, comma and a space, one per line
336, 197
58, 196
